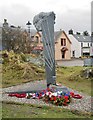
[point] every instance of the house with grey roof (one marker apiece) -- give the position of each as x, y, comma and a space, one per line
62, 45
75, 47
85, 42
80, 45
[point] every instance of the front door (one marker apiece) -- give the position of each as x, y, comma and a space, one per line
63, 54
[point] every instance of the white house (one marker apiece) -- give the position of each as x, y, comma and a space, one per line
75, 47
85, 42
80, 45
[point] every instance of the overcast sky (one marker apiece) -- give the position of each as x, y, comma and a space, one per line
70, 14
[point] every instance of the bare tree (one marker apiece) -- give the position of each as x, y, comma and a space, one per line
15, 39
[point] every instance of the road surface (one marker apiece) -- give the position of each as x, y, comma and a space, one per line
73, 62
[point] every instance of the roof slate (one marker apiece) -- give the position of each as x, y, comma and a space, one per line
82, 38
56, 35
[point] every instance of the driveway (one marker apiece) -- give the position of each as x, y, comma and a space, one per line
72, 62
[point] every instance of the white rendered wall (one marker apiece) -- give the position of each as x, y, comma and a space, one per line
85, 44
75, 46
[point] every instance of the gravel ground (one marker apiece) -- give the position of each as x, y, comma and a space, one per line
84, 104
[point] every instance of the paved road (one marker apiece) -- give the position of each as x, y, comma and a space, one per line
74, 62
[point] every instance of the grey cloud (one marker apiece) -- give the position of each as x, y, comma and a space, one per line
18, 14
79, 20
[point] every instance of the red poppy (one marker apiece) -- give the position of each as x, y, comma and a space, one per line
77, 96
66, 97
12, 94
22, 95
71, 93
40, 96
51, 98
55, 98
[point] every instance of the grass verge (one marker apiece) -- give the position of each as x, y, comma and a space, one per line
19, 110
72, 77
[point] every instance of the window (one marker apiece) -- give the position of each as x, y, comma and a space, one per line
63, 42
73, 53
88, 44
91, 44
81, 44
63, 54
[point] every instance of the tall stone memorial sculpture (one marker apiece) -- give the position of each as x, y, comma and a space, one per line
44, 22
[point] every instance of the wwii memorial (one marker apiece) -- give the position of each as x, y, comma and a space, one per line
44, 22
47, 72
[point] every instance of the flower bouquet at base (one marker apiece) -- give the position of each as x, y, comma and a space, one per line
58, 100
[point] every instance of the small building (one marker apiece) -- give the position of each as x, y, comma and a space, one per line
85, 42
75, 47
80, 45
62, 46
35, 37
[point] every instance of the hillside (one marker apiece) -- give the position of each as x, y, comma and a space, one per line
15, 69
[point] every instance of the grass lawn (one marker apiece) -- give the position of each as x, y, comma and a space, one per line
18, 110
71, 77
26, 72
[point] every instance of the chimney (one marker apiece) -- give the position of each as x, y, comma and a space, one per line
5, 24
78, 33
70, 32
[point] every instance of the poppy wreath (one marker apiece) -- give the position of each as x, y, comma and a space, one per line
58, 100
18, 95
49, 96
77, 96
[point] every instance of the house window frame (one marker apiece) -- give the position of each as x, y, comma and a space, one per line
63, 41
73, 53
88, 44
81, 44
